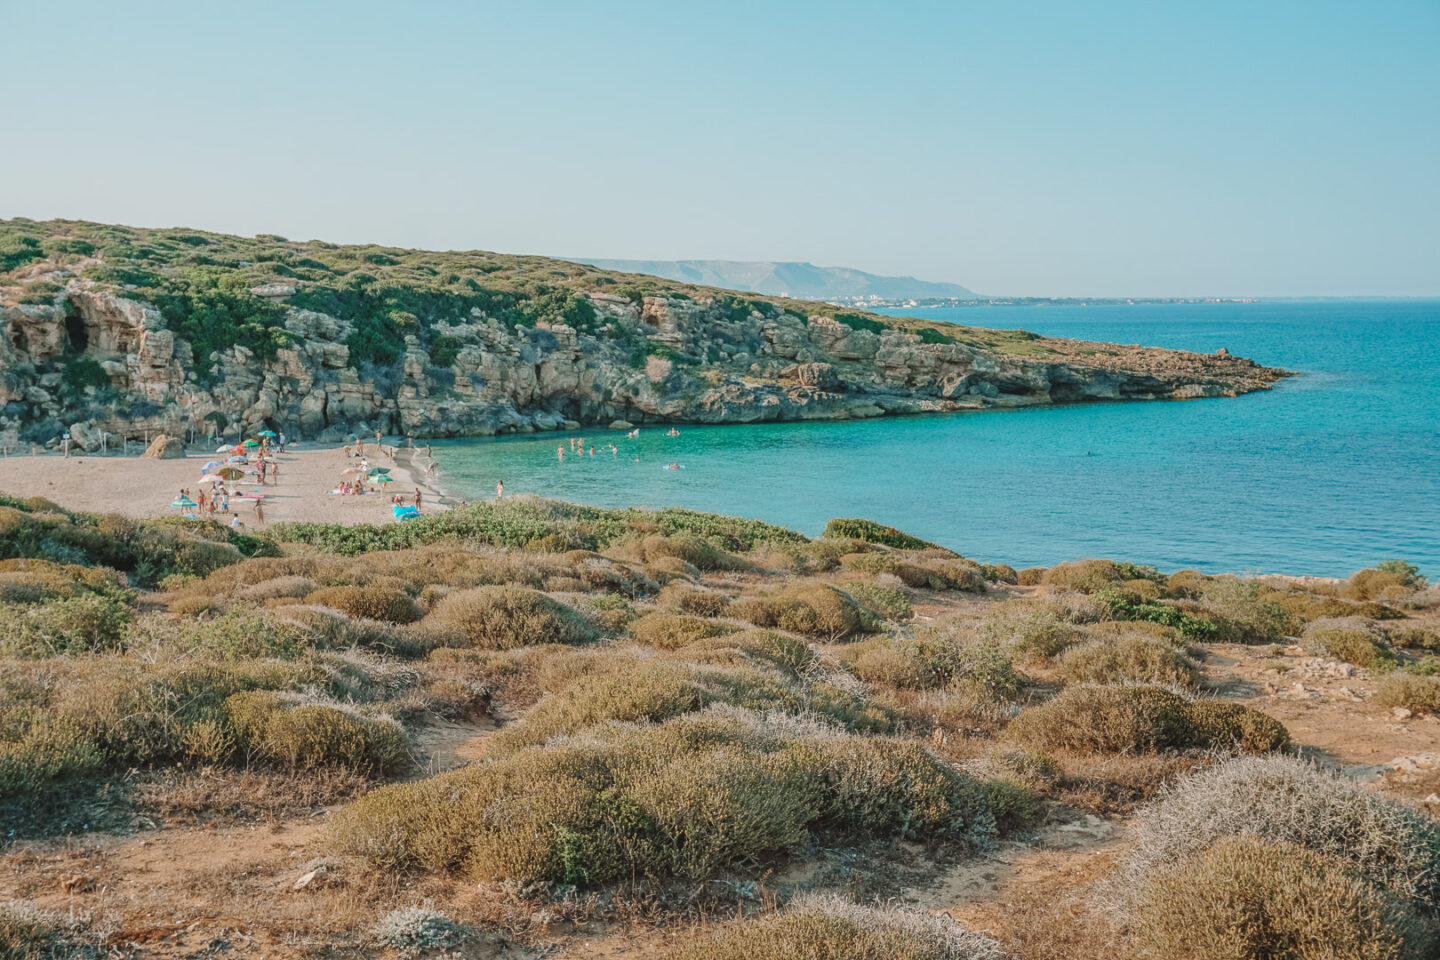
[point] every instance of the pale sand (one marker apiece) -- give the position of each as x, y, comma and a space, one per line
140, 487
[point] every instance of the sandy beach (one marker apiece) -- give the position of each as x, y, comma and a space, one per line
142, 487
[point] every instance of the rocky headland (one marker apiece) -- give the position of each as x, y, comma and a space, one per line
134, 341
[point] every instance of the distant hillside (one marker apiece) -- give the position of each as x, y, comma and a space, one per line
786, 278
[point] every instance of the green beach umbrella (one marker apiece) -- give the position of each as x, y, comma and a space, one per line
379, 471
267, 433
251, 443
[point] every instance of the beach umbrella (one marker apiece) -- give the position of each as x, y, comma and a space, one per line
251, 443
212, 465
225, 449
266, 433
230, 473
384, 478
211, 478
379, 471
184, 503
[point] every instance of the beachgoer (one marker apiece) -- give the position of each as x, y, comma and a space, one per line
377, 438
259, 512
560, 454
592, 451
500, 490
417, 498
235, 523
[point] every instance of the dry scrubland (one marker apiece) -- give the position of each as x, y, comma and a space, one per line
537, 729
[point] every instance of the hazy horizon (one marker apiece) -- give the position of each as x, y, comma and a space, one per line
1035, 150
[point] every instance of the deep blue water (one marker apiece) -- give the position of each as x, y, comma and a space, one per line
1329, 472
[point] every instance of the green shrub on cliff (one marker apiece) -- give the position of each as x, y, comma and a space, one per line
856, 528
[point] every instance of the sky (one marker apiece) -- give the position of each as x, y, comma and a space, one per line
1020, 148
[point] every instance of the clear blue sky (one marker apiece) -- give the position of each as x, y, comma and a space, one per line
1056, 148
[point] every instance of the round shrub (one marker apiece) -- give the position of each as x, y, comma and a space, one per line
668, 631
1251, 898
686, 798
694, 600
855, 528
503, 618
371, 603
1129, 719
883, 601
1359, 647
276, 587
1286, 799
1085, 576
1030, 630
691, 548
1415, 693
1030, 576
1129, 658
1222, 725
813, 609
828, 928
311, 734
81, 624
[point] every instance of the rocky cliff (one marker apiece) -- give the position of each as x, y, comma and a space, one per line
95, 359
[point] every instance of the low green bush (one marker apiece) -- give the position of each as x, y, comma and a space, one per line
883, 601
83, 624
1031, 631
868, 531
1361, 648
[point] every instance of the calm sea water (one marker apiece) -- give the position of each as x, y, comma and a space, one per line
1327, 473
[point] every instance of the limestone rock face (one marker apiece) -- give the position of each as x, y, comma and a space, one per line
657, 360
165, 448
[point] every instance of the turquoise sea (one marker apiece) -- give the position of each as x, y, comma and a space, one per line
1330, 472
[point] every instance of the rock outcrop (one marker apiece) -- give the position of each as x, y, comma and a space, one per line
659, 359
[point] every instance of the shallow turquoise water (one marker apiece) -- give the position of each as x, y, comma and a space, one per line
1327, 473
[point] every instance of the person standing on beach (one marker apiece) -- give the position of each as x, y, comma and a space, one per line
259, 512
377, 438
417, 498
500, 490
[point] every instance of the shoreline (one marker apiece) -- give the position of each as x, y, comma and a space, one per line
142, 487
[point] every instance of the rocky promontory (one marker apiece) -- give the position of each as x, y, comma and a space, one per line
125, 344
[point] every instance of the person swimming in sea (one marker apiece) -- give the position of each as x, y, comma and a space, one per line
560, 454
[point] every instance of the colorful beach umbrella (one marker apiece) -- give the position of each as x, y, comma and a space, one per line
266, 433
384, 478
251, 443
379, 471
212, 465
